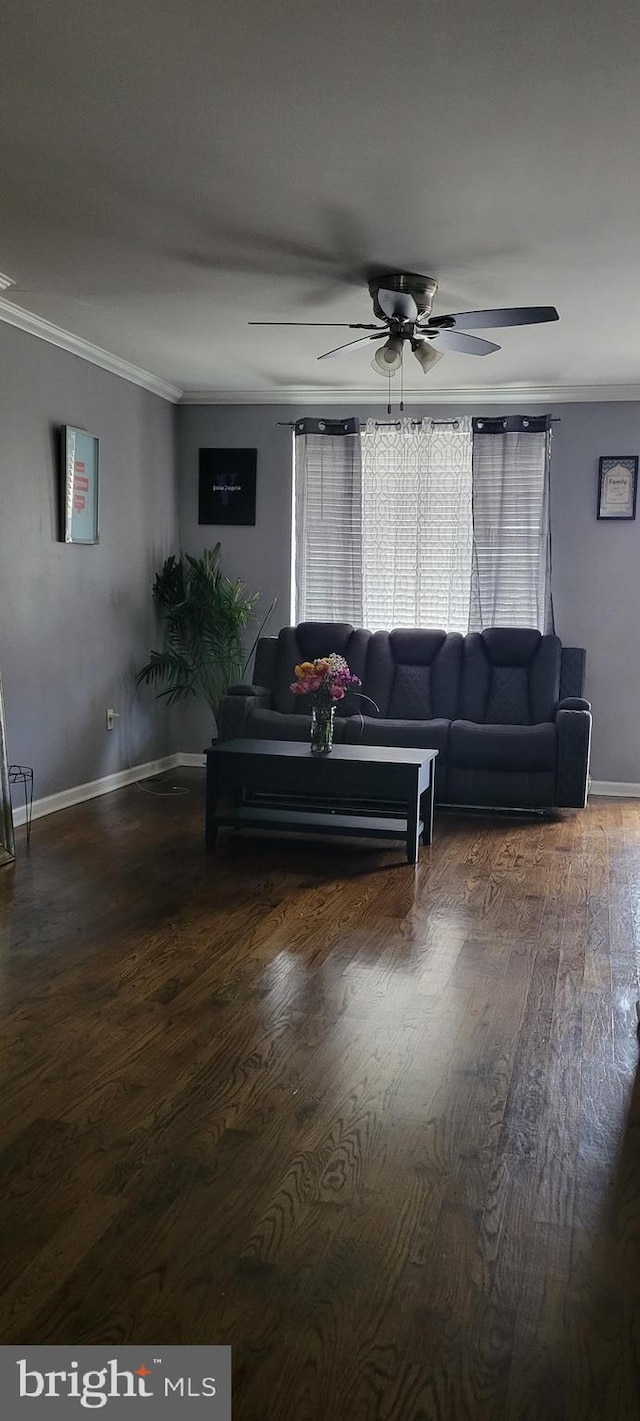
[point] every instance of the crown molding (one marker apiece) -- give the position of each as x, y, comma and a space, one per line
464, 394
75, 345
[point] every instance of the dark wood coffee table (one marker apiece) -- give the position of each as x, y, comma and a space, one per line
398, 782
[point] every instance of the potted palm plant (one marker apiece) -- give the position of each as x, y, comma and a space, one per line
205, 616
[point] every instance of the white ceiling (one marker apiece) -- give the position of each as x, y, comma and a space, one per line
170, 169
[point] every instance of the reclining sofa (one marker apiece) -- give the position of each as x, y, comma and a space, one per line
503, 707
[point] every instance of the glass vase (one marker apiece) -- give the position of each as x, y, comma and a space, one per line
322, 718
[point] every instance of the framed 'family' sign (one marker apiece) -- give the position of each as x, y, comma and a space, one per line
79, 486
227, 486
618, 486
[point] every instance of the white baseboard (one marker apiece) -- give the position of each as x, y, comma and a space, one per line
187, 757
617, 789
53, 802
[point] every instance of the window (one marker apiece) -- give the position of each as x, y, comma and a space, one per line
432, 523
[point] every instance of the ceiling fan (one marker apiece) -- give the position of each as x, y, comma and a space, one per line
403, 301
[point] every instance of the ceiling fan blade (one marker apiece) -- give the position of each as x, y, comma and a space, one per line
457, 340
351, 345
510, 316
333, 325
397, 303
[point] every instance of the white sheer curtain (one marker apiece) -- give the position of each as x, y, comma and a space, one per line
417, 527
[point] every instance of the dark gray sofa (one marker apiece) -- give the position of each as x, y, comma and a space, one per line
503, 707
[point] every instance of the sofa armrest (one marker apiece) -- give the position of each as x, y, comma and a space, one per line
572, 765
236, 707
575, 703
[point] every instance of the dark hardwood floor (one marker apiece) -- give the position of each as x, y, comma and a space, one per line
375, 1126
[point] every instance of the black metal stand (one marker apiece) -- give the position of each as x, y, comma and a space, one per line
23, 774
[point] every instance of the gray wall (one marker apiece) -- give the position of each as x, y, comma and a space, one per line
261, 556
596, 579
75, 621
596, 566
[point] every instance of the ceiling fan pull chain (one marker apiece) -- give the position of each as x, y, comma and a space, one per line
402, 383
389, 394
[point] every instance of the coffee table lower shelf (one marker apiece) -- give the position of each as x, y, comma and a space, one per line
363, 826
370, 791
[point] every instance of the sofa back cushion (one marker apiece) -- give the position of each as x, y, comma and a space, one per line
414, 674
511, 676
306, 642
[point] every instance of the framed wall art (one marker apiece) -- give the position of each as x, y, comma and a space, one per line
79, 486
227, 486
617, 486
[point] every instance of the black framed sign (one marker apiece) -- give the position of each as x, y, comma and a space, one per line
618, 486
227, 486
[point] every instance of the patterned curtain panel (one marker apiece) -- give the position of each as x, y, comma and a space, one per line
417, 524
511, 574
328, 513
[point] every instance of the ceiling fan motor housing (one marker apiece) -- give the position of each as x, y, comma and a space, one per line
423, 289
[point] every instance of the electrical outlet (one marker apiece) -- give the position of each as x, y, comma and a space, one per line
112, 716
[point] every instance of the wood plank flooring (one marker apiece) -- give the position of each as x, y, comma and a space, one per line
377, 1127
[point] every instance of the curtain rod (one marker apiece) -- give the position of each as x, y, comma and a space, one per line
380, 424
395, 423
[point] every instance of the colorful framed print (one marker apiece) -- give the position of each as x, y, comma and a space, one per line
617, 486
227, 486
80, 456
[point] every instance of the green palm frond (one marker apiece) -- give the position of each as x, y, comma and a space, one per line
205, 615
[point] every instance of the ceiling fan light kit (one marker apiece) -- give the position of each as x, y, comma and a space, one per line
425, 353
388, 357
403, 301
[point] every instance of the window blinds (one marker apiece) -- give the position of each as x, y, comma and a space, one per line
511, 574
328, 497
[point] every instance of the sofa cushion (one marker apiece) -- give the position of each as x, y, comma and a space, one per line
412, 734
273, 725
307, 642
526, 748
415, 674
511, 676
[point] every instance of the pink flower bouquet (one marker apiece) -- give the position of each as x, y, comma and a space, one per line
327, 679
